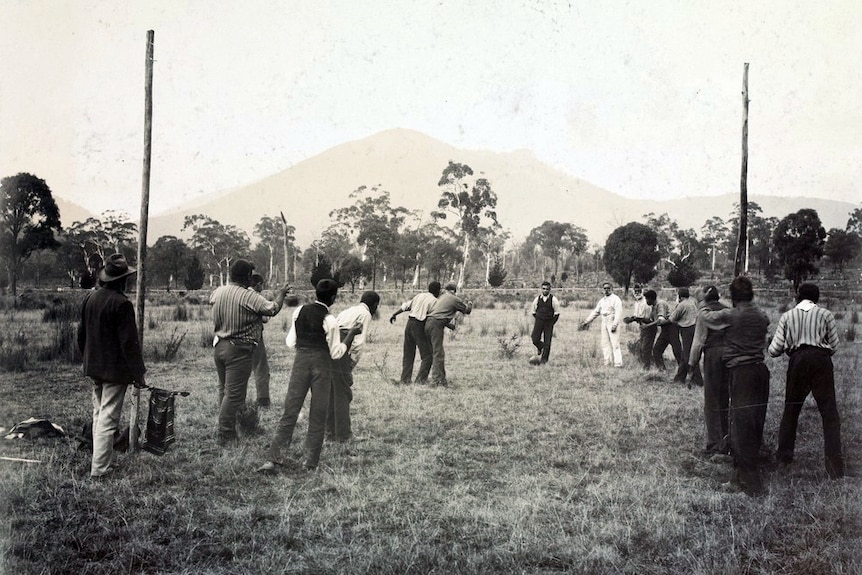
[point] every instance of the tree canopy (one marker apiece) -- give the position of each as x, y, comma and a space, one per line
631, 252
29, 218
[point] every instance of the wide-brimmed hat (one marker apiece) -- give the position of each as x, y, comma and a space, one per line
115, 268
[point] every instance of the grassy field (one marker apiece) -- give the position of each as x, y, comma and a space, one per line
570, 467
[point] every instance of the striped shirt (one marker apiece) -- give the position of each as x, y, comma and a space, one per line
805, 325
237, 313
419, 305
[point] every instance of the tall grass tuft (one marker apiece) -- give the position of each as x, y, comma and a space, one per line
63, 345
14, 356
180, 312
171, 347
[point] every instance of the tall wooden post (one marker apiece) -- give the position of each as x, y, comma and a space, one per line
284, 244
140, 294
742, 239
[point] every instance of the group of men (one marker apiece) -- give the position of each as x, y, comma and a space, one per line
730, 340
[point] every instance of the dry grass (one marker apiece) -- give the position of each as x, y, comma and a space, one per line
565, 468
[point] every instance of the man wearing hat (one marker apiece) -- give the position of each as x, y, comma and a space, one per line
238, 329
315, 336
109, 345
439, 317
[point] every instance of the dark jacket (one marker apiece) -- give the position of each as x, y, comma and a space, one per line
108, 338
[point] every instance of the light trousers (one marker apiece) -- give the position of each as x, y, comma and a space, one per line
107, 409
611, 343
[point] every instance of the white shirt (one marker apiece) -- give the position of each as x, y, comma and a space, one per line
330, 328
358, 314
610, 307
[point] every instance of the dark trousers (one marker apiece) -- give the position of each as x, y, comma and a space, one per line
686, 337
668, 336
543, 332
716, 399
311, 371
260, 368
810, 371
338, 414
233, 364
434, 330
646, 340
749, 395
415, 337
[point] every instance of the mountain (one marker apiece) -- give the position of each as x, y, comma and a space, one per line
408, 165
70, 212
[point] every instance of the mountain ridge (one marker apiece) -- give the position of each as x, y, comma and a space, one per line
408, 165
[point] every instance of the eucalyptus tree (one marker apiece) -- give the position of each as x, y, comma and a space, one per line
29, 219
473, 204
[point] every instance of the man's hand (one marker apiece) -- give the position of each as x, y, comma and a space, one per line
140, 383
392, 319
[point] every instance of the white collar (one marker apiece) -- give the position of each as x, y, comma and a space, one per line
806, 305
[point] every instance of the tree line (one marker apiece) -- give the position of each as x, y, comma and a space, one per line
372, 242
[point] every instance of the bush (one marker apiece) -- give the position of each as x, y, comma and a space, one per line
509, 346
171, 347
181, 312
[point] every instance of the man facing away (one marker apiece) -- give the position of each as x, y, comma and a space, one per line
260, 363
108, 341
439, 317
709, 342
668, 334
414, 334
338, 415
744, 345
809, 336
642, 314
238, 329
315, 336
546, 310
610, 308
684, 316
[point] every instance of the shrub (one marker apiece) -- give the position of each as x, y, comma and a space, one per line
171, 347
61, 310
509, 346
64, 343
181, 312
151, 321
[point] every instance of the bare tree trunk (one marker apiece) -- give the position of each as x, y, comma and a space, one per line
742, 240
464, 262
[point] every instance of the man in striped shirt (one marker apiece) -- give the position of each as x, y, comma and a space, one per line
237, 313
808, 334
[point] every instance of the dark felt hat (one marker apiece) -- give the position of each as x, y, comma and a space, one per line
116, 267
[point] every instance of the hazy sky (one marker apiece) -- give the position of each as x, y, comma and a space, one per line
641, 98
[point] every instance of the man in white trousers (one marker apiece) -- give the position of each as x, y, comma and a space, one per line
610, 307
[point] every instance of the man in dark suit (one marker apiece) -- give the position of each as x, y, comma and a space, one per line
109, 344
